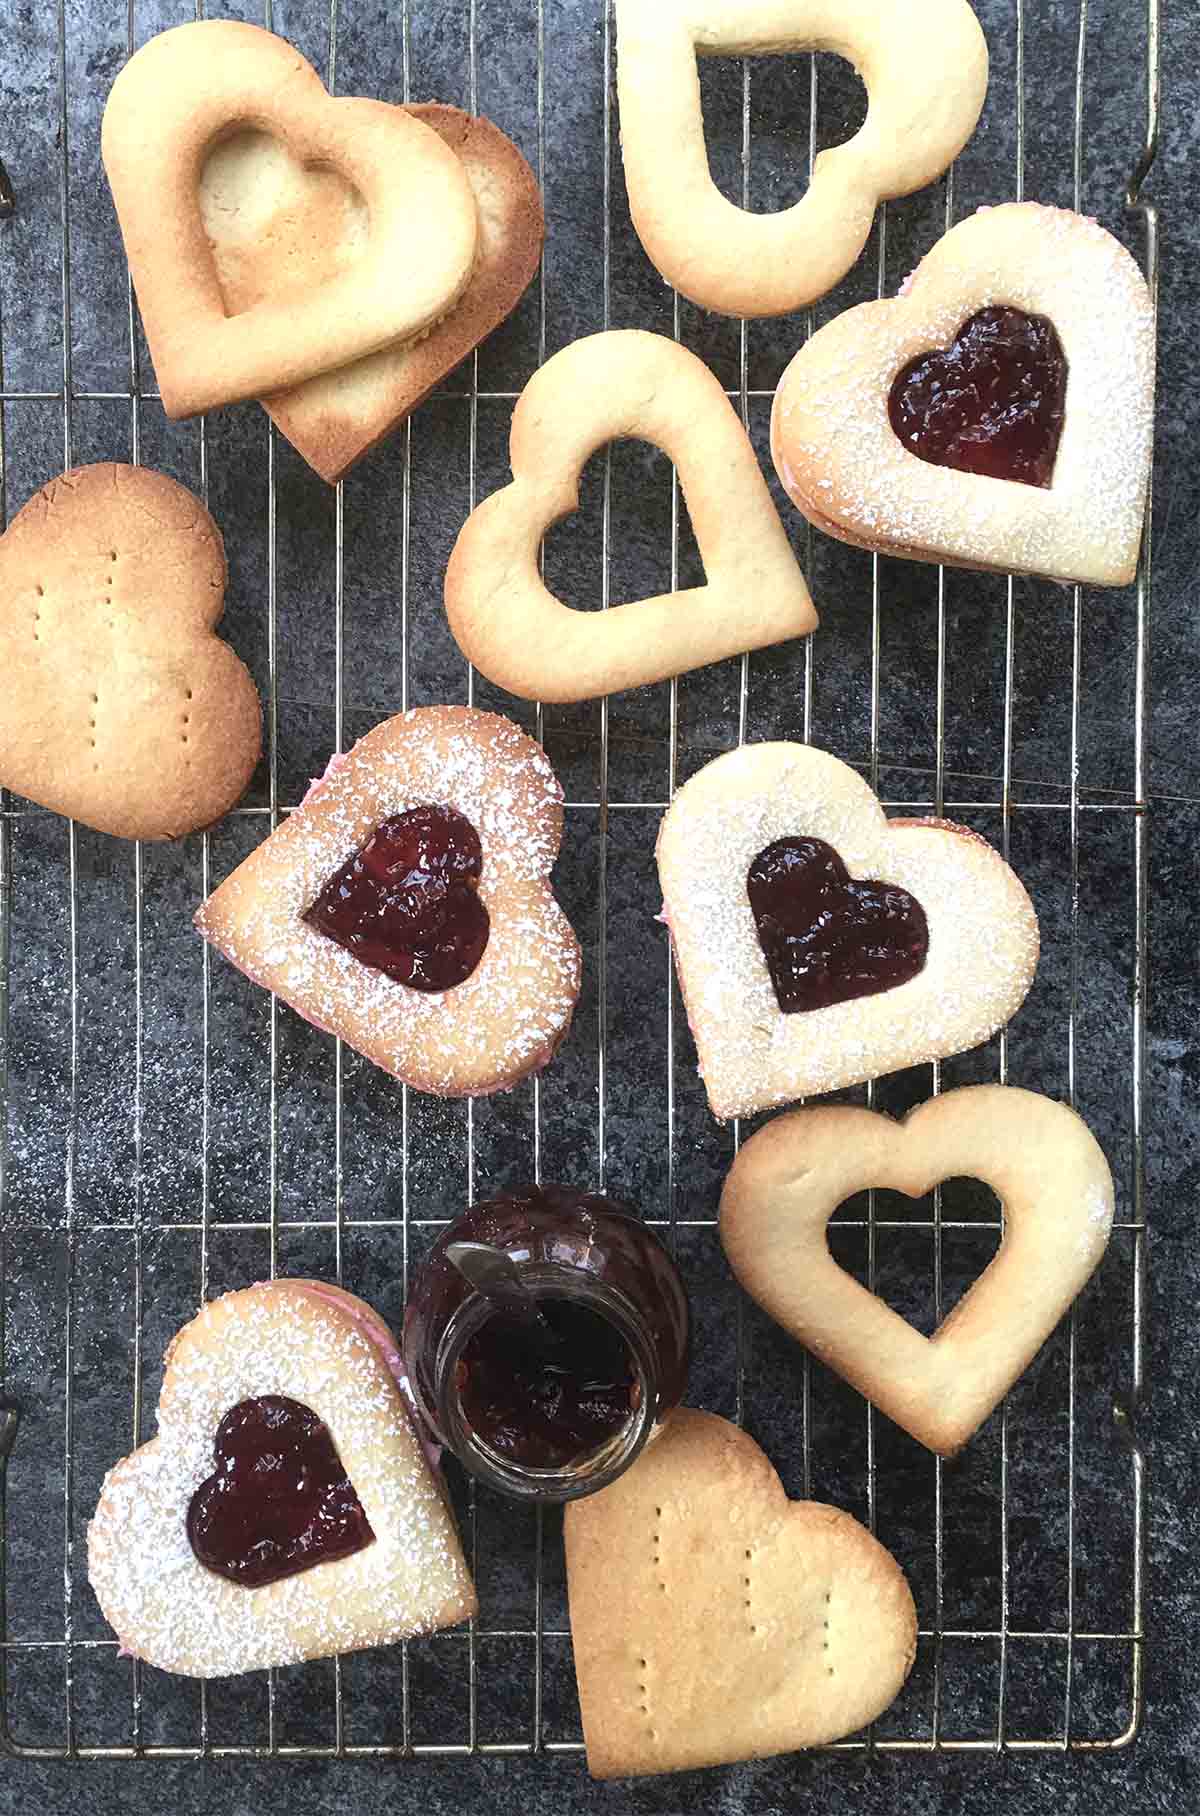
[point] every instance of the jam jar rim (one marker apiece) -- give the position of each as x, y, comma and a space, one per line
597, 1468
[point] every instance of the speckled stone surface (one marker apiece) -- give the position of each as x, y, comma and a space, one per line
93, 1203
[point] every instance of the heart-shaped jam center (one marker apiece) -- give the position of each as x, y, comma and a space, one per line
992, 403
278, 1501
826, 937
407, 904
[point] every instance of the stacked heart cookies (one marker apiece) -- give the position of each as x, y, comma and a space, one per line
332, 259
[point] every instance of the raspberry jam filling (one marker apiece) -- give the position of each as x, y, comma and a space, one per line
992, 403
407, 904
543, 1404
826, 937
278, 1501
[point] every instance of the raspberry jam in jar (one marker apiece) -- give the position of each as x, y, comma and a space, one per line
549, 1389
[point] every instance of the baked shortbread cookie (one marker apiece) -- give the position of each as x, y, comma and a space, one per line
120, 706
925, 66
999, 413
273, 232
338, 417
817, 942
714, 1620
406, 905
357, 1548
1056, 1193
600, 389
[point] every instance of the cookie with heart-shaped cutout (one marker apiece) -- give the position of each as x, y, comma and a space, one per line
338, 417
273, 232
624, 383
406, 905
999, 413
285, 1510
1056, 1194
714, 1620
925, 66
817, 942
122, 707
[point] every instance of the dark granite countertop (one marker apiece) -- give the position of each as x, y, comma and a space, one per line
94, 1203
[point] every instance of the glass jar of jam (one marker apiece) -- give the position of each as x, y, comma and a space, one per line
551, 1393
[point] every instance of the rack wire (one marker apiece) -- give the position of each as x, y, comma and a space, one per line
85, 1284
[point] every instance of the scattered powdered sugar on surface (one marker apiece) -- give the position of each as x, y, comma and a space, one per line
508, 1018
983, 938
167, 1608
841, 461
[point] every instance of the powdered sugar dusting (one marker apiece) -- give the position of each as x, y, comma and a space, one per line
167, 1608
509, 1017
983, 937
843, 465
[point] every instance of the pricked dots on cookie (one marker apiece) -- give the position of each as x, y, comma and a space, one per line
112, 580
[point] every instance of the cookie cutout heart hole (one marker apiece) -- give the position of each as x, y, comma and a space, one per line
906, 1261
253, 195
780, 123
407, 903
991, 403
279, 1500
827, 937
637, 476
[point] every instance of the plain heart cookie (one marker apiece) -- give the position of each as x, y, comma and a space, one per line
818, 943
1056, 1194
714, 1620
999, 413
337, 418
925, 66
121, 707
237, 1382
406, 905
240, 295
624, 383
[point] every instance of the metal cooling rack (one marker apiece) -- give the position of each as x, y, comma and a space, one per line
1098, 1708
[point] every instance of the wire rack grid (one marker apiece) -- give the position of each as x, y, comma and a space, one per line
1023, 1553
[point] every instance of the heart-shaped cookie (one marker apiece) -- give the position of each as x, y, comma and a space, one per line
294, 1341
1057, 1194
925, 65
337, 418
714, 1620
981, 942
495, 1018
381, 263
838, 418
602, 388
121, 707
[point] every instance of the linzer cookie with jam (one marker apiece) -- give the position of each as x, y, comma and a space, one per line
998, 414
819, 943
286, 1509
406, 905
